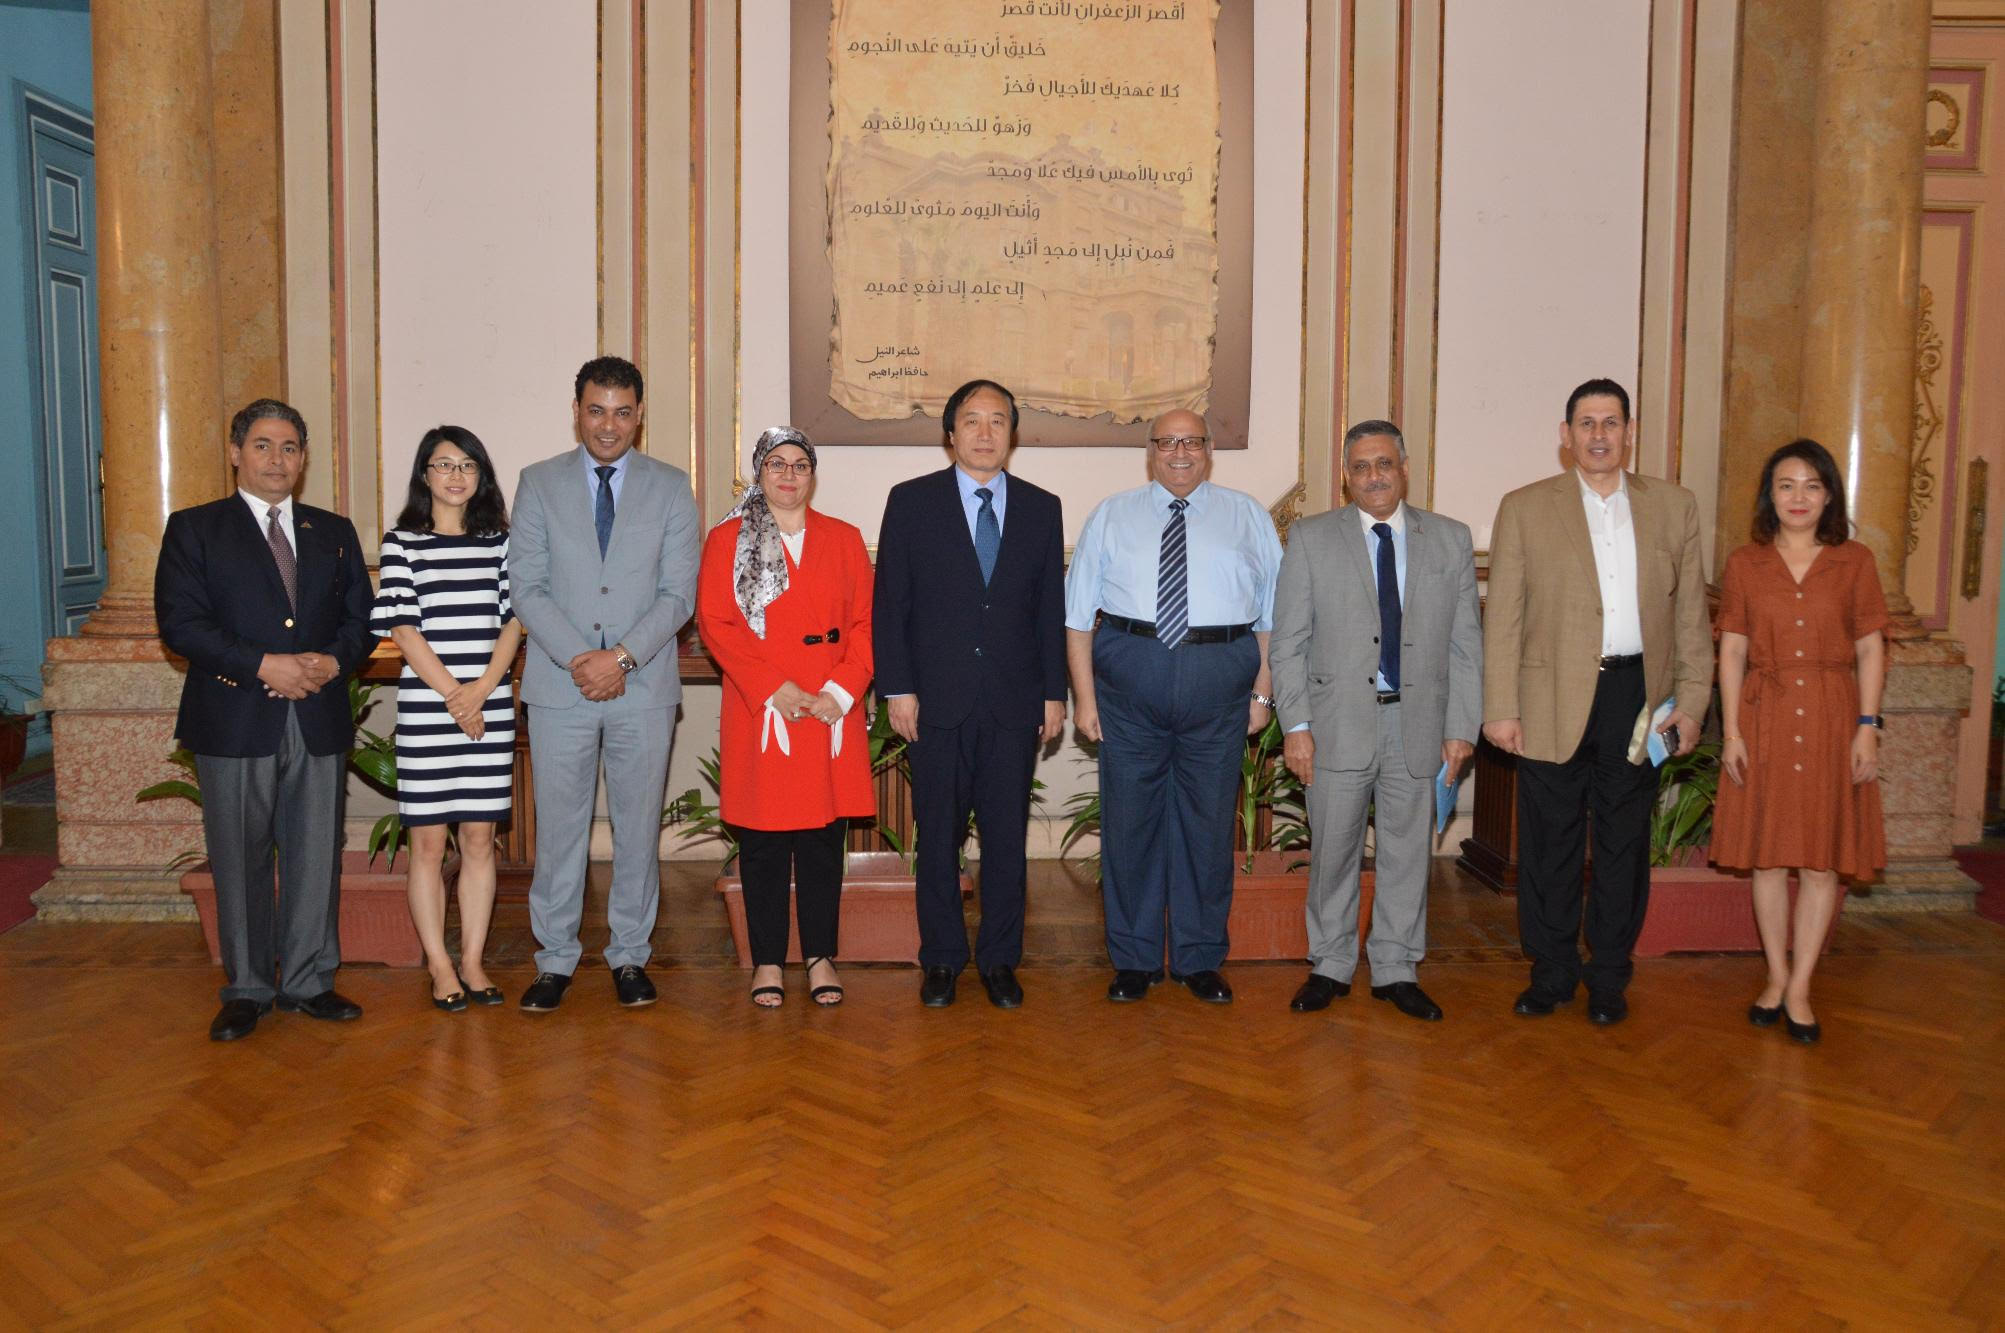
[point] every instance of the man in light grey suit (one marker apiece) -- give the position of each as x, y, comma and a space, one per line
602, 569
1378, 670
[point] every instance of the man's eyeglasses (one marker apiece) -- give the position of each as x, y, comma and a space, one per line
445, 467
780, 467
1169, 444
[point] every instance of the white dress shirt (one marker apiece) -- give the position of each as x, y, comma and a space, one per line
1612, 533
261, 510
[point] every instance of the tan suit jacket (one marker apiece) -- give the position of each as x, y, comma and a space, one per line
1542, 620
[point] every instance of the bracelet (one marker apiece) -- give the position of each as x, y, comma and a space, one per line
1725, 739
1265, 701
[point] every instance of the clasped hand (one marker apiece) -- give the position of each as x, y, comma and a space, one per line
296, 675
794, 703
598, 676
464, 703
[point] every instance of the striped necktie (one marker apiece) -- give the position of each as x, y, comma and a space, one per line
288, 568
1173, 580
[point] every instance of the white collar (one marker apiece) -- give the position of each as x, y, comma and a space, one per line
263, 507
1589, 493
1398, 519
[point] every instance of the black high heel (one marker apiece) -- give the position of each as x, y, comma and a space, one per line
819, 991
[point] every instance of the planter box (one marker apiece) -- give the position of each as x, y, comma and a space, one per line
1697, 909
1269, 918
880, 919
375, 922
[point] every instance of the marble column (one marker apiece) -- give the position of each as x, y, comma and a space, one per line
111, 690
1857, 398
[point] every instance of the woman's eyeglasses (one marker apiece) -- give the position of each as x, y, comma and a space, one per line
780, 467
445, 467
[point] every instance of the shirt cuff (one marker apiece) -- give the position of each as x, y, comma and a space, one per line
840, 695
1301, 726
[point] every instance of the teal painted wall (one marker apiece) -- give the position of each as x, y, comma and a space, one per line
44, 48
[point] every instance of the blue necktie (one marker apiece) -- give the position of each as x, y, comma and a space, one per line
602, 514
988, 533
1388, 607
1172, 581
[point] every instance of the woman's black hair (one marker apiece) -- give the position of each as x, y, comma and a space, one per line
1834, 525
486, 512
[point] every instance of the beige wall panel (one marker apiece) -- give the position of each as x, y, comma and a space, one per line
245, 83
489, 215
1541, 232
306, 249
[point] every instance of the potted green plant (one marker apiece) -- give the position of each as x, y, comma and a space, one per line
880, 923
375, 922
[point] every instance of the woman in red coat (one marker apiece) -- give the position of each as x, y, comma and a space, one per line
783, 604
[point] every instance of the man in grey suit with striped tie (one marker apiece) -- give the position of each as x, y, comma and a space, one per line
602, 568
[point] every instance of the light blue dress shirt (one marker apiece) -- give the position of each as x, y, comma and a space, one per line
592, 466
1398, 522
971, 504
1234, 556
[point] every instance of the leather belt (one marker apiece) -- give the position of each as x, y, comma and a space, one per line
1626, 660
1388, 696
1195, 634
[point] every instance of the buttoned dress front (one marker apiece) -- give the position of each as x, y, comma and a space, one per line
1799, 710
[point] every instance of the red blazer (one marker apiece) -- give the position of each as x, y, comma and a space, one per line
829, 589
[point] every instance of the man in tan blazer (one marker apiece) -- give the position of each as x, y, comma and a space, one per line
1597, 611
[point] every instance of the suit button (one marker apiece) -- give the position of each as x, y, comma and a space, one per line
288, 622
596, 625
1374, 638
603, 591
978, 652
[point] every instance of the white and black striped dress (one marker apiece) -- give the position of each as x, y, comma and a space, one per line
454, 591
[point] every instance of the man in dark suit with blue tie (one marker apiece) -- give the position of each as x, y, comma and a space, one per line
969, 630
268, 599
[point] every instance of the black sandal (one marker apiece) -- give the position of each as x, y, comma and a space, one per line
818, 992
780, 991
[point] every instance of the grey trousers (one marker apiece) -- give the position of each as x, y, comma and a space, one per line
292, 801
1402, 810
565, 746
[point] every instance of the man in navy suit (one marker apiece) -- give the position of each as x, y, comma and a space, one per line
969, 629
268, 599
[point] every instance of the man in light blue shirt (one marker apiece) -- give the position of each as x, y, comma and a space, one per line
1167, 611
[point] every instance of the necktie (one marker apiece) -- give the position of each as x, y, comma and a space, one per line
1388, 607
288, 569
988, 533
602, 514
1172, 581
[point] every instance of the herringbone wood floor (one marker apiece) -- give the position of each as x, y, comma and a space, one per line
1073, 1164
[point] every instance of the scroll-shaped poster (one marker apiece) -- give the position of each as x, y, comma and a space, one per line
1027, 192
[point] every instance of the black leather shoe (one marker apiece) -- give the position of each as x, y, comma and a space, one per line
1409, 999
1005, 991
327, 1005
937, 990
1317, 992
1131, 984
1606, 1008
630, 983
1764, 1018
546, 992
1208, 986
237, 1018
1535, 1003
1807, 1033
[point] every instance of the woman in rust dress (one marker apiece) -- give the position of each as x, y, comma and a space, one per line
1802, 665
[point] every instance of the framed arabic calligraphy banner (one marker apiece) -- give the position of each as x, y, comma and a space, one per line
1055, 194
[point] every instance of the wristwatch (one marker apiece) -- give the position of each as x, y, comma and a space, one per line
624, 658
1264, 700
1872, 720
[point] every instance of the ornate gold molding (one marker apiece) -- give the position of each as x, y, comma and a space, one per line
1286, 510
1945, 136
1928, 417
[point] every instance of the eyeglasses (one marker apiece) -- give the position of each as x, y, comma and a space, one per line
1169, 444
780, 467
445, 467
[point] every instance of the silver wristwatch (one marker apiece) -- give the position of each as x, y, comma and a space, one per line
1265, 700
624, 658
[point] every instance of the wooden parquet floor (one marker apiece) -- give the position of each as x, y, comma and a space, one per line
1074, 1164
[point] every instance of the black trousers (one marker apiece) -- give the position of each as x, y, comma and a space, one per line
811, 859
981, 767
1555, 802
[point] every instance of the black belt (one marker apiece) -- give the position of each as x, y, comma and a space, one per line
1388, 696
1195, 634
1625, 660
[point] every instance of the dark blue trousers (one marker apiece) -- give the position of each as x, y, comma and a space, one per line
1173, 734
981, 767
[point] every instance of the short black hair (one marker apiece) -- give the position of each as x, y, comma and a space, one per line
608, 372
251, 413
960, 395
486, 512
1366, 430
1834, 524
1598, 388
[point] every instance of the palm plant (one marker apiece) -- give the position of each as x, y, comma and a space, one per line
1682, 818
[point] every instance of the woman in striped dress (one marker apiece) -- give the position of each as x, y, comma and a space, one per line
444, 600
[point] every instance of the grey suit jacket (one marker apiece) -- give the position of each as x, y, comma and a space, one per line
571, 601
1325, 645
